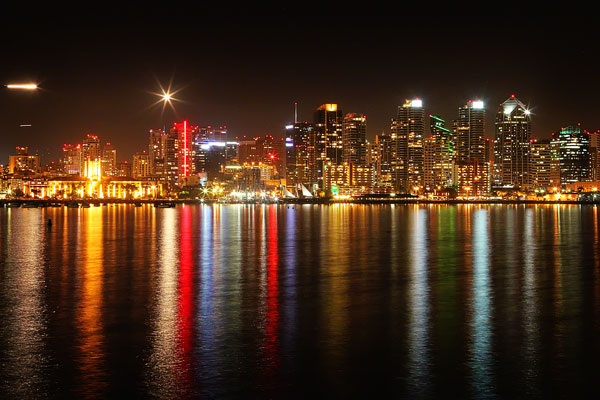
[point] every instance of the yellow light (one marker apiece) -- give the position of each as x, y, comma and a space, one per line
22, 86
167, 96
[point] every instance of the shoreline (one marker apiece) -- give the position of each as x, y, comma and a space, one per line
42, 203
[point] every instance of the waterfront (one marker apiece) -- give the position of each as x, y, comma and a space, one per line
278, 300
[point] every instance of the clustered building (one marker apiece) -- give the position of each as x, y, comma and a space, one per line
421, 155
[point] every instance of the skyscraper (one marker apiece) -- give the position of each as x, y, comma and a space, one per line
408, 130
109, 159
543, 166
573, 154
90, 149
469, 132
298, 139
328, 146
354, 139
511, 153
438, 153
157, 141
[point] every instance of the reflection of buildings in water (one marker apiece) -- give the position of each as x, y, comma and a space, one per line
162, 373
418, 305
89, 316
481, 308
25, 359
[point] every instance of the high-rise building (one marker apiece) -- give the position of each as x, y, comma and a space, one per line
573, 154
71, 159
408, 131
157, 143
299, 146
469, 132
328, 146
109, 160
543, 166
141, 165
438, 154
513, 135
594, 156
22, 163
90, 150
383, 161
354, 139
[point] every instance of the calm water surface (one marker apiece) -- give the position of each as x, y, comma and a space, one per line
273, 301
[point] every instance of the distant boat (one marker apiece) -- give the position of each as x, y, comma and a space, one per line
13, 205
55, 205
305, 191
85, 205
165, 204
30, 205
73, 205
287, 193
138, 204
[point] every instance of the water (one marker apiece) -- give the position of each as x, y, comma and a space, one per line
273, 301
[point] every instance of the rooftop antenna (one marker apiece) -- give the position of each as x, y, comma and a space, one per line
295, 112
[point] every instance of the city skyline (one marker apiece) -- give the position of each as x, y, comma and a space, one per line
279, 69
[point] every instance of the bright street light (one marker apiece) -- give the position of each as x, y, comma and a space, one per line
22, 86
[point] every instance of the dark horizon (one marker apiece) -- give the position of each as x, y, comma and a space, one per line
246, 74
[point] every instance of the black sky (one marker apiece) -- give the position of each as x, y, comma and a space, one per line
96, 72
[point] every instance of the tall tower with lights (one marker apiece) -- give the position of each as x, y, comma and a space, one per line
407, 135
512, 144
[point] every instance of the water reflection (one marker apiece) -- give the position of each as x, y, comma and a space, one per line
226, 301
418, 306
481, 324
24, 357
92, 374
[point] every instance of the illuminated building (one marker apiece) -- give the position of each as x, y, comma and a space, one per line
354, 139
124, 170
437, 155
71, 159
511, 153
469, 133
90, 149
573, 154
22, 163
157, 143
218, 155
544, 169
298, 139
109, 159
183, 134
408, 131
141, 165
472, 178
335, 176
328, 143
203, 135
594, 159
383, 159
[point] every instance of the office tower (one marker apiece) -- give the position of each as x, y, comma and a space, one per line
180, 153
408, 131
511, 153
298, 140
71, 159
573, 154
328, 146
383, 161
543, 168
472, 178
141, 165
354, 139
109, 160
157, 143
124, 170
171, 158
22, 163
90, 150
594, 159
218, 156
438, 153
469, 132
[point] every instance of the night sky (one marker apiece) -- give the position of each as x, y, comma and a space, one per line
96, 73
